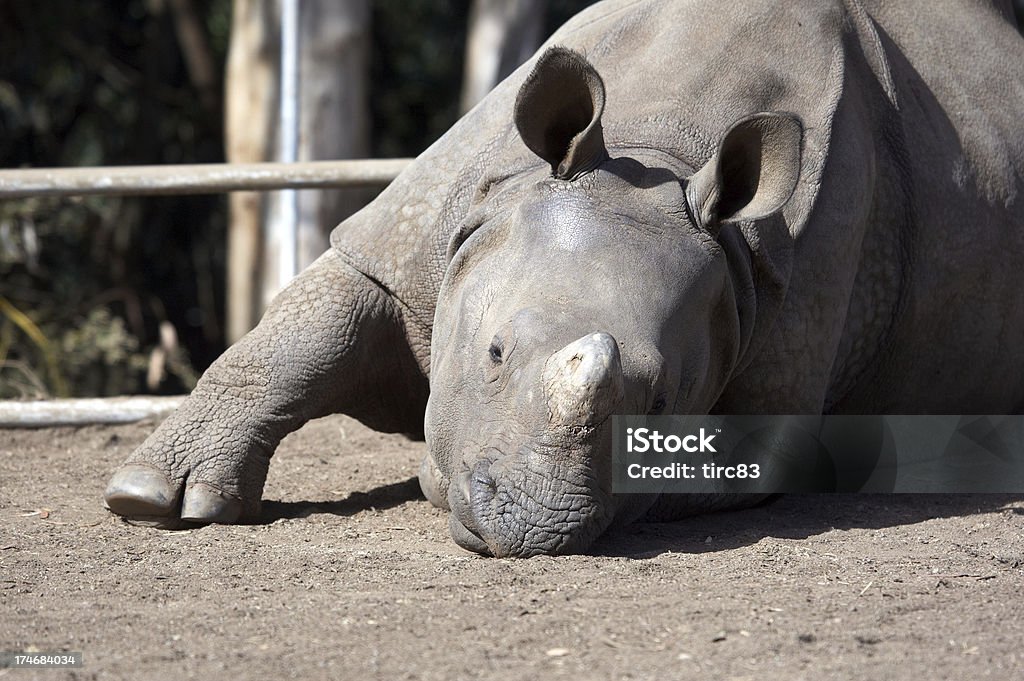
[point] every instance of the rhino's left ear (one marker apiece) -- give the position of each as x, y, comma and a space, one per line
753, 173
558, 113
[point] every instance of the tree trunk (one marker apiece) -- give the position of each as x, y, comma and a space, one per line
333, 92
502, 35
334, 113
249, 128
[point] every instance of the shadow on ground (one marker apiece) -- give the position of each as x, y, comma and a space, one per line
795, 516
379, 498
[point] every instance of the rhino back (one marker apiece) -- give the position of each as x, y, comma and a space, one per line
956, 154
911, 154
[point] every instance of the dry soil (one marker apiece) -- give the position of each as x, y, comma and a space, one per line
352, 575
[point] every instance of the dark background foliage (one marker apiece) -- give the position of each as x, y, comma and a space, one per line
93, 82
85, 284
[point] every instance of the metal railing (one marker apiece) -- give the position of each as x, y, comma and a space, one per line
212, 178
84, 410
207, 178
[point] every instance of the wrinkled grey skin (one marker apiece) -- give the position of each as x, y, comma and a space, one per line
733, 207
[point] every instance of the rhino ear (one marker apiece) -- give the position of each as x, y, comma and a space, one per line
753, 173
558, 113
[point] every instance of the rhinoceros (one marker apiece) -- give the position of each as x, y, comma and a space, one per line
678, 207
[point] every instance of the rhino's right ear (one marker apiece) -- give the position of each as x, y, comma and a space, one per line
753, 173
558, 113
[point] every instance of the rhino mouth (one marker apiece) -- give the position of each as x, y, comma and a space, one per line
522, 505
462, 523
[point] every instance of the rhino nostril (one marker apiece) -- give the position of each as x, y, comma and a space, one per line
477, 485
472, 493
463, 522
483, 481
465, 488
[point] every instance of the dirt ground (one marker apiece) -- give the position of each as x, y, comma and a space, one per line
351, 575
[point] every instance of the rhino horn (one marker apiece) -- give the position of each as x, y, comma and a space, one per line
558, 113
583, 381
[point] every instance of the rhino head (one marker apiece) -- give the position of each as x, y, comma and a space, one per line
598, 283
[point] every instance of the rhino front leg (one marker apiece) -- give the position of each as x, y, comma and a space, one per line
333, 341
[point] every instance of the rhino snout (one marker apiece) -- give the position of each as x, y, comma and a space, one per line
583, 381
534, 490
513, 507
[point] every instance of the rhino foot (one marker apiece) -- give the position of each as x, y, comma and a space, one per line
316, 352
197, 467
147, 496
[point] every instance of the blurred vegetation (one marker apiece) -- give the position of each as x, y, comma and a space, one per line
107, 295
416, 71
95, 82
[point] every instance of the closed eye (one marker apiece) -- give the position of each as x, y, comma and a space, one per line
496, 350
